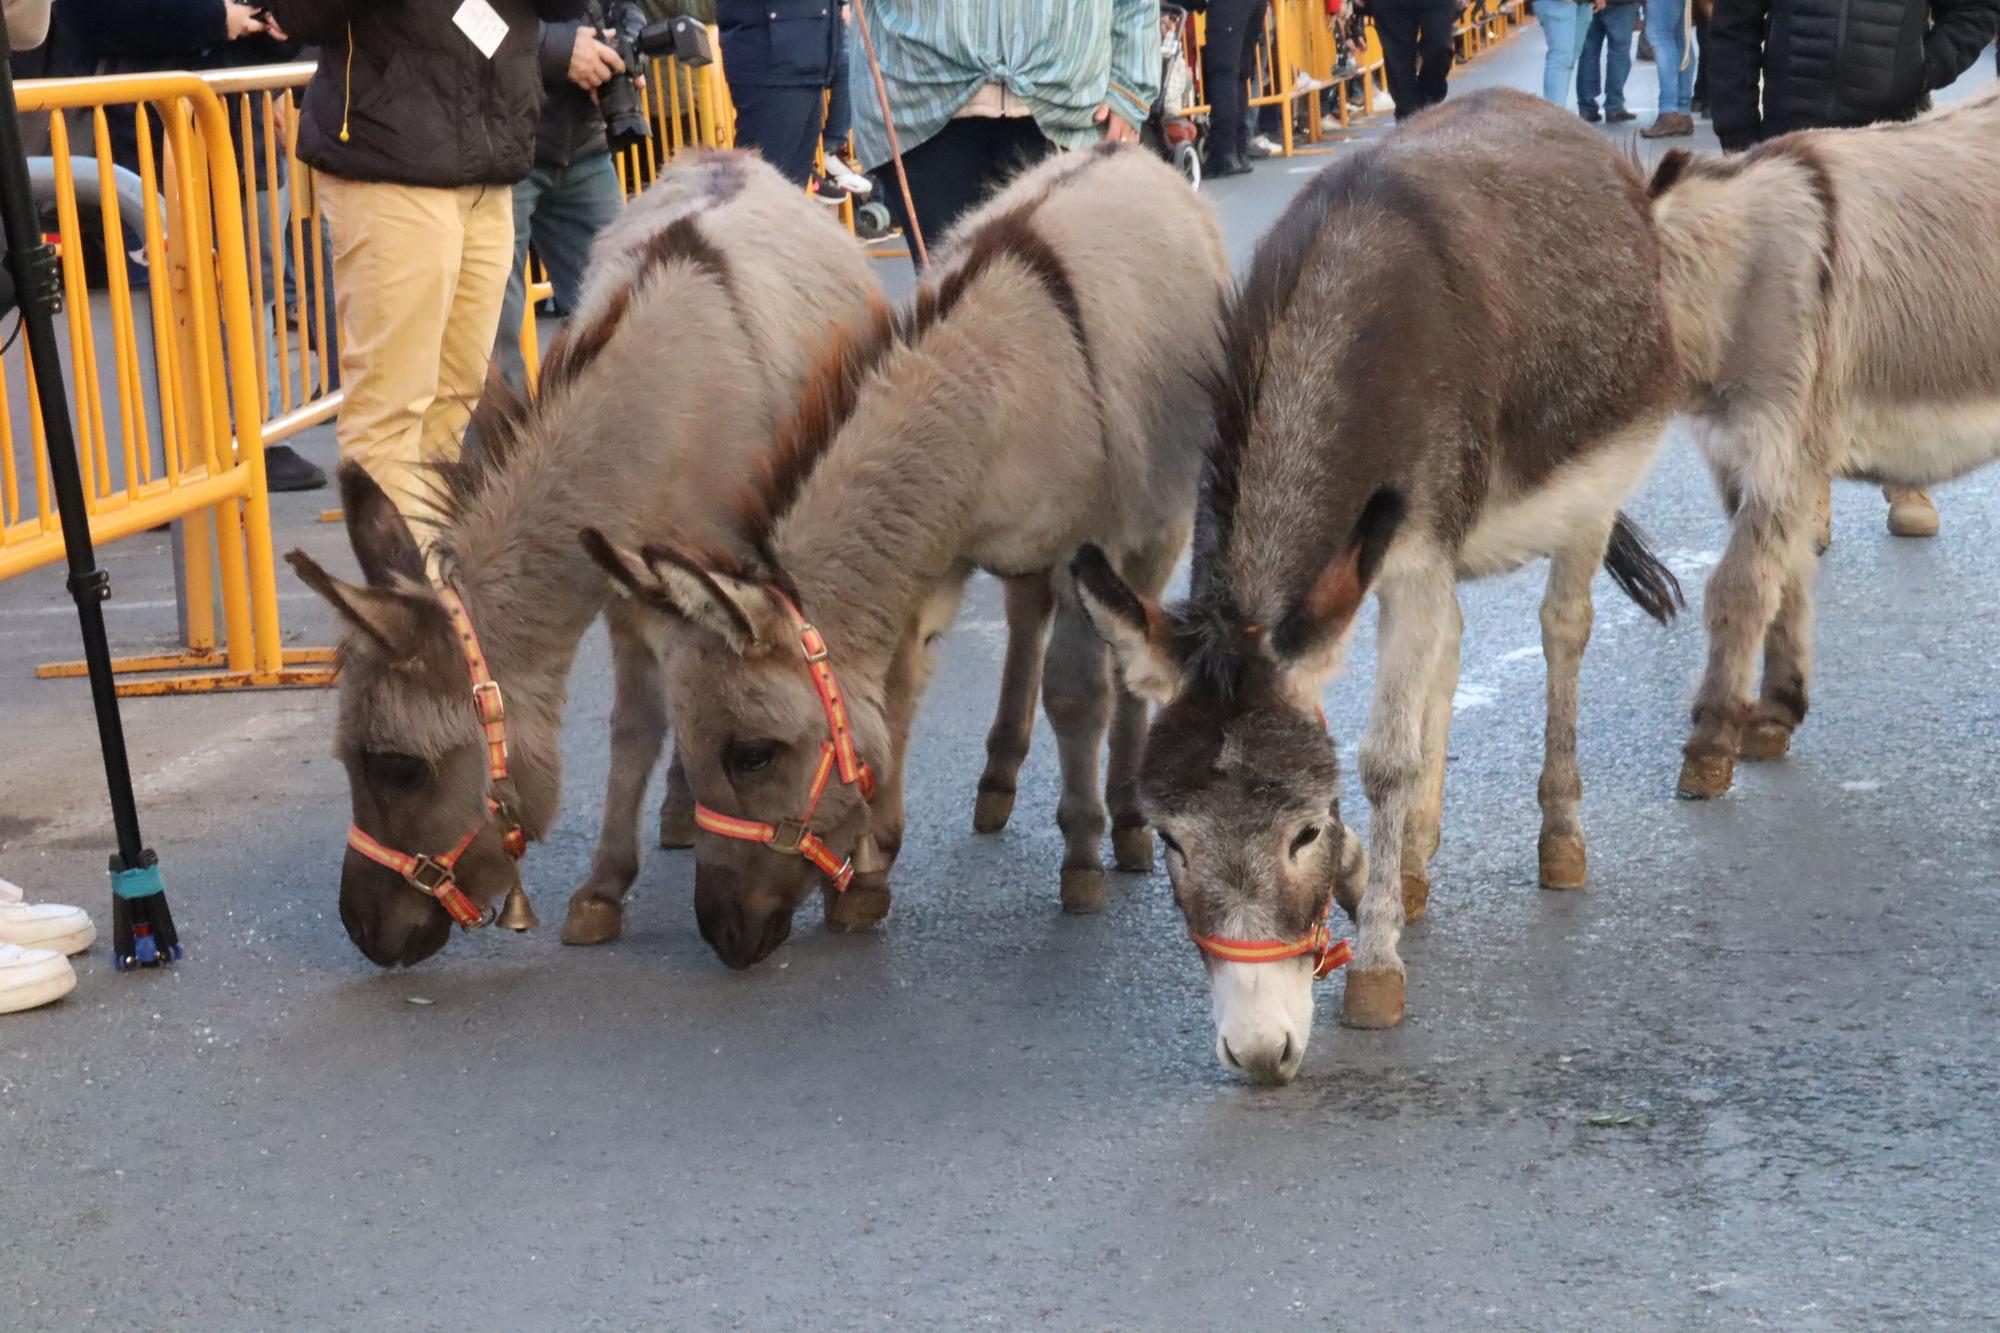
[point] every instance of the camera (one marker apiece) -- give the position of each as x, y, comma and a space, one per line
685, 39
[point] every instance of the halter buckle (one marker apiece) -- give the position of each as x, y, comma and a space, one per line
814, 644
786, 835
488, 702
429, 874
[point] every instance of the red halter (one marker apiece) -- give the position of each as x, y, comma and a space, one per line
1328, 953
435, 876
795, 837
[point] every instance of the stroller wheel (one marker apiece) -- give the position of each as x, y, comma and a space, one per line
871, 221
1187, 160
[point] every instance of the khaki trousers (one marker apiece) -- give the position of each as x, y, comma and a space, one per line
421, 274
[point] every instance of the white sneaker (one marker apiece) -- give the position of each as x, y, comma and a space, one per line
1306, 83
46, 926
1267, 143
31, 978
847, 178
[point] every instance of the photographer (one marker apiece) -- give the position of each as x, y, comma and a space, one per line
419, 121
573, 190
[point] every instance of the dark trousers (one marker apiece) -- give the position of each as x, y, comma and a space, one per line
1416, 50
1228, 57
783, 124
958, 166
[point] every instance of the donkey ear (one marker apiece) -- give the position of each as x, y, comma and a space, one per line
1141, 639
1323, 615
676, 582
391, 618
382, 539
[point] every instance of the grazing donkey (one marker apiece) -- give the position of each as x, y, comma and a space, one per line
1835, 298
1417, 389
1043, 391
695, 329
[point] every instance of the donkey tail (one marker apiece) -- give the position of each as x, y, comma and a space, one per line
1633, 566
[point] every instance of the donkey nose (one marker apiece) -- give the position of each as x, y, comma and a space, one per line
1271, 1059
740, 936
392, 924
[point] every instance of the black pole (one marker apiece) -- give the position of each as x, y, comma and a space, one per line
142, 928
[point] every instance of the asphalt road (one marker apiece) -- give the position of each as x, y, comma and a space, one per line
1746, 1080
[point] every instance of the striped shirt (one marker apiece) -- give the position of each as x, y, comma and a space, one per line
1062, 58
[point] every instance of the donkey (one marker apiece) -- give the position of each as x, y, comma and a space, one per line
693, 334
1835, 299
1041, 392
1416, 390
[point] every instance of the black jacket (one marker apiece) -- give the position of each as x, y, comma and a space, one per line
572, 127
1835, 63
418, 102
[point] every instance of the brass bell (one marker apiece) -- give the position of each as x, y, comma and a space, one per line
517, 913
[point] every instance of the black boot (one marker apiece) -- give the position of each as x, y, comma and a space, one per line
1219, 164
284, 470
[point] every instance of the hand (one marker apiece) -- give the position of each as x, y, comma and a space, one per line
1597, 7
1116, 128
242, 20
272, 30
591, 62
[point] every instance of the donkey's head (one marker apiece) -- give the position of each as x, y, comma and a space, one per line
1241, 779
412, 742
753, 725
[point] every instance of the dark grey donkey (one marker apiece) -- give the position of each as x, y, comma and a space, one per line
1419, 388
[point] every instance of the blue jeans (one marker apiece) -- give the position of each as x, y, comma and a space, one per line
1607, 42
1563, 26
1665, 20
561, 209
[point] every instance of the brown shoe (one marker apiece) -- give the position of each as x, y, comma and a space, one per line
1670, 125
1911, 513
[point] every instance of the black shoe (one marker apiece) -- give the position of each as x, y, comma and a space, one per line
1620, 116
284, 470
1218, 165
1589, 114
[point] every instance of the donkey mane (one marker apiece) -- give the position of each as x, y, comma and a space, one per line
845, 364
501, 418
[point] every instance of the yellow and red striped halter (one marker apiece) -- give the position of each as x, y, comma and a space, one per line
436, 876
1327, 952
795, 837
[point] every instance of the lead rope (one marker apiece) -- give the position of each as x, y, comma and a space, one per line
895, 148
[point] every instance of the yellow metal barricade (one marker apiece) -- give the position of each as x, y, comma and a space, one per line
163, 376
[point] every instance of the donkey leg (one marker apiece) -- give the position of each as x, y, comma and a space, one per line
1030, 602
677, 808
1427, 819
1416, 610
1076, 691
638, 729
1131, 840
1742, 599
1787, 669
1566, 622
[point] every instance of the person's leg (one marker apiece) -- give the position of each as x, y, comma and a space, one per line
586, 201
1559, 20
1618, 22
956, 167
486, 222
1435, 51
397, 248
1253, 35
1222, 77
839, 102
783, 124
1589, 67
1396, 26
1663, 30
514, 303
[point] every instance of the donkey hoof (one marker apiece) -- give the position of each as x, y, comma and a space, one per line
1765, 741
864, 904
1083, 891
991, 810
1565, 865
1132, 848
1374, 999
1704, 776
1416, 894
593, 921
677, 827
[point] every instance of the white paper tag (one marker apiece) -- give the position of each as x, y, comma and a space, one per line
477, 20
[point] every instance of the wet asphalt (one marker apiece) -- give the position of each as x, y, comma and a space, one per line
1748, 1079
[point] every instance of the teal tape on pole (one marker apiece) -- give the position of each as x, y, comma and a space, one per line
141, 883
